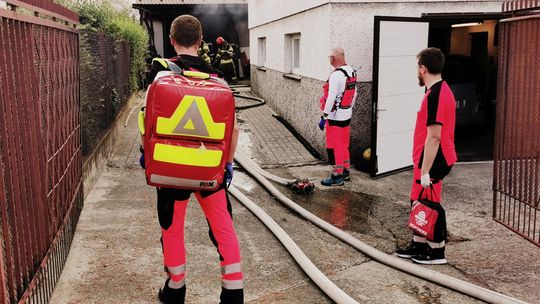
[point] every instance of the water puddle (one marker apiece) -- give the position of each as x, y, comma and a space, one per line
344, 209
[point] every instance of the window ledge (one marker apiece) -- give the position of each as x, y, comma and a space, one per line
293, 76
261, 68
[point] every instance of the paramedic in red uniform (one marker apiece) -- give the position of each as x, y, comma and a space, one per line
337, 104
433, 150
186, 36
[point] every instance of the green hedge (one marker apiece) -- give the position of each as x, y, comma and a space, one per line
99, 15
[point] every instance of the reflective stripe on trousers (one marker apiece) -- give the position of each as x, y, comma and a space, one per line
215, 208
178, 274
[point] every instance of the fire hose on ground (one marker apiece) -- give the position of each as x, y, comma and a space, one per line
300, 186
429, 275
327, 286
261, 101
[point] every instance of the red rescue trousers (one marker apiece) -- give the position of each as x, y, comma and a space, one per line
337, 145
222, 233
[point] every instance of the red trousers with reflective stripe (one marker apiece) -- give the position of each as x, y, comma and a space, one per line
337, 139
221, 225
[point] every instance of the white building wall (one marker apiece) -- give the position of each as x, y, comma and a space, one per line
264, 11
346, 23
313, 27
357, 34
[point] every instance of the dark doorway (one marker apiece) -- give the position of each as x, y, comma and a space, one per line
471, 72
219, 23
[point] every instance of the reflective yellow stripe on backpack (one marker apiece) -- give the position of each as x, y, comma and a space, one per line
177, 155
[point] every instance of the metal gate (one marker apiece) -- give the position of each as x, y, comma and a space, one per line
40, 154
517, 141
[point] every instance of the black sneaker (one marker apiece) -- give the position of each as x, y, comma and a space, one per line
414, 249
346, 175
432, 257
169, 295
231, 296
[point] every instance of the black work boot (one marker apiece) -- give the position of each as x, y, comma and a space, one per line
414, 249
232, 296
346, 175
169, 295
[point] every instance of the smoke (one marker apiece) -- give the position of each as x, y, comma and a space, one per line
229, 21
236, 10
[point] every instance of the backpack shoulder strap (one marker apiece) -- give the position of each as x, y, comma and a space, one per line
162, 61
174, 67
344, 72
167, 64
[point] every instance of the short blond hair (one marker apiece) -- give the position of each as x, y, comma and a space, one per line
337, 51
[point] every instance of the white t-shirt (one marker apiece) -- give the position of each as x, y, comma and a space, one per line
337, 82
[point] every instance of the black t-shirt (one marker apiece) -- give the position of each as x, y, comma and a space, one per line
187, 62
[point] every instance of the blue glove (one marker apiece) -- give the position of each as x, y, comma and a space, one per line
228, 174
322, 123
141, 159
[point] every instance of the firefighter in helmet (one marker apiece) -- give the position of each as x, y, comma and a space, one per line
224, 59
204, 52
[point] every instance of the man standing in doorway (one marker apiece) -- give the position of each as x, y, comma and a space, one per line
434, 152
336, 104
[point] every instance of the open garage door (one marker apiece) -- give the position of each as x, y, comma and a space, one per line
396, 93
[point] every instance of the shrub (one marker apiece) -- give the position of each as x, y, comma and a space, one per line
97, 15
124, 27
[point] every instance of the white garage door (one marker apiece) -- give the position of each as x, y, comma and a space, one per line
397, 95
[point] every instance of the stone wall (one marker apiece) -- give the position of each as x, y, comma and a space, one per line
297, 101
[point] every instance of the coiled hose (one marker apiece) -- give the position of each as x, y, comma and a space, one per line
388, 260
261, 101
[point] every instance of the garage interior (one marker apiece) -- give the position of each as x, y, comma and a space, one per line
470, 44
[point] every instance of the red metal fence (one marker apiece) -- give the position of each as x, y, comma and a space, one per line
40, 149
49, 8
517, 142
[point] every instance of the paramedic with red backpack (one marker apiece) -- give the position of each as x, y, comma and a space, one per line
336, 104
434, 154
190, 136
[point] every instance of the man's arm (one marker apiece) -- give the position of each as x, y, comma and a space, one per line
332, 93
431, 147
234, 142
435, 112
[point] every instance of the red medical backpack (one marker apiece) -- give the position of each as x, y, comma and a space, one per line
187, 129
348, 95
